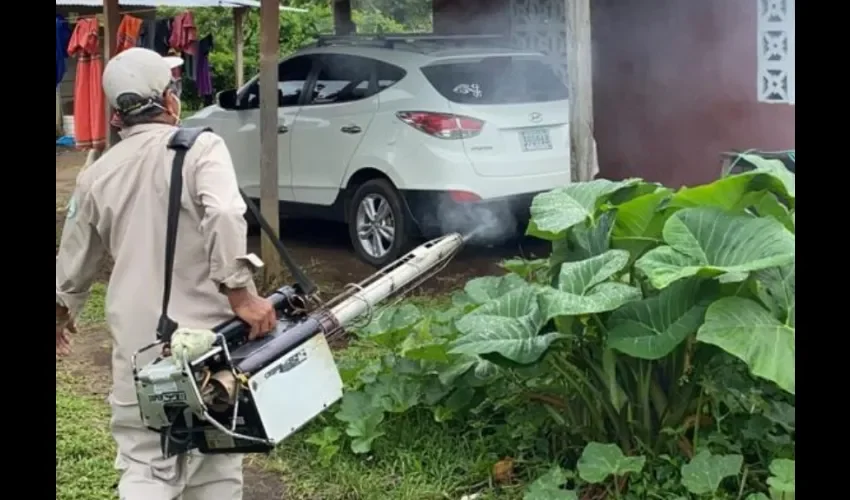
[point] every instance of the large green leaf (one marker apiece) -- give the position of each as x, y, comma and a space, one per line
390, 326
550, 487
735, 192
749, 332
776, 169
556, 211
709, 242
583, 241
782, 480
363, 416
484, 289
776, 289
598, 461
705, 472
507, 326
583, 287
640, 221
653, 327
768, 205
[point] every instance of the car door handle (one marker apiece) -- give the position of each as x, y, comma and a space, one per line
282, 129
351, 129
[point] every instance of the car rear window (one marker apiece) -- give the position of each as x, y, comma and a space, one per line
496, 80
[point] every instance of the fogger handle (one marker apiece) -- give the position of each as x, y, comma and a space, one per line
236, 329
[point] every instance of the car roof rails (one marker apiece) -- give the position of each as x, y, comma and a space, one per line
393, 40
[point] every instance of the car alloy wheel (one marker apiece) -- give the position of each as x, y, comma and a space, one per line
376, 227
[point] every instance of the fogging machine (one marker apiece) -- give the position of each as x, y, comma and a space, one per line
245, 396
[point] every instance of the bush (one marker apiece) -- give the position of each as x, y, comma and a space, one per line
652, 351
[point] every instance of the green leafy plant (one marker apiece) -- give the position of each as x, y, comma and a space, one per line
550, 486
703, 475
662, 323
782, 479
326, 441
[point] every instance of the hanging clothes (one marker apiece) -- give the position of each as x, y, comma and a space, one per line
190, 63
128, 33
147, 34
183, 37
63, 35
89, 113
203, 76
184, 34
161, 35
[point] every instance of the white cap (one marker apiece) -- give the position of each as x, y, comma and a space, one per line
140, 72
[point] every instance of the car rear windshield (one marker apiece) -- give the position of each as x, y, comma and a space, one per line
496, 80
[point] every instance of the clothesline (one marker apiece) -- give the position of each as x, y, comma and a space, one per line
99, 16
175, 35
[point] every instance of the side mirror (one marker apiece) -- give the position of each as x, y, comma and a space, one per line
226, 99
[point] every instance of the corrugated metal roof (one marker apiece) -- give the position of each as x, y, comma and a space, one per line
163, 3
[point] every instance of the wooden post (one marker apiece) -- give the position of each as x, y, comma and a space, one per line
239, 44
269, 49
580, 76
111, 18
343, 25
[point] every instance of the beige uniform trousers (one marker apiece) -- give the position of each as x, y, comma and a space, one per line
119, 208
145, 475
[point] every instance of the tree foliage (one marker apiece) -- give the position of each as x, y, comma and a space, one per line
297, 29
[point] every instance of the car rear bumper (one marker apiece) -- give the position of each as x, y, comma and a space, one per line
495, 219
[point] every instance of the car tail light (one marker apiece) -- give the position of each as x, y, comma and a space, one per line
442, 125
463, 196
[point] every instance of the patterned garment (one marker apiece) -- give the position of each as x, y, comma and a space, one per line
128, 33
89, 112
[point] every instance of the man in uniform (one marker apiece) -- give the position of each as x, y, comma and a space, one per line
119, 208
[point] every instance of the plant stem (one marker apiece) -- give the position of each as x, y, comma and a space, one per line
698, 417
743, 483
574, 382
598, 397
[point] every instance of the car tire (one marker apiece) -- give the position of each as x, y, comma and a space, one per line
388, 212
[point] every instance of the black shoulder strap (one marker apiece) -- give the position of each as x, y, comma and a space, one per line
180, 142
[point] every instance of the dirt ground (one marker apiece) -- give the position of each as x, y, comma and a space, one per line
322, 249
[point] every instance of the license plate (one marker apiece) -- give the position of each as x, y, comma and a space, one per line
535, 140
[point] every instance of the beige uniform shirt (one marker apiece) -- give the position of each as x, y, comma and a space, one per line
119, 208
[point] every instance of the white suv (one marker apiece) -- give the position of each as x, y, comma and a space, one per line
401, 141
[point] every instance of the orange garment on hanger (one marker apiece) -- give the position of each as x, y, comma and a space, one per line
89, 112
128, 33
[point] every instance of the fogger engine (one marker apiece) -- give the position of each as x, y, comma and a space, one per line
245, 396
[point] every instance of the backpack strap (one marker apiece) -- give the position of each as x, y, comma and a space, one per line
181, 142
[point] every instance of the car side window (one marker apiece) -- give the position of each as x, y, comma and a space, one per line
341, 79
291, 76
388, 75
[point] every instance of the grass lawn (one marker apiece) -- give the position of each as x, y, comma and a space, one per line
84, 448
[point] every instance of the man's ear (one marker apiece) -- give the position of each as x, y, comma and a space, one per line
169, 99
